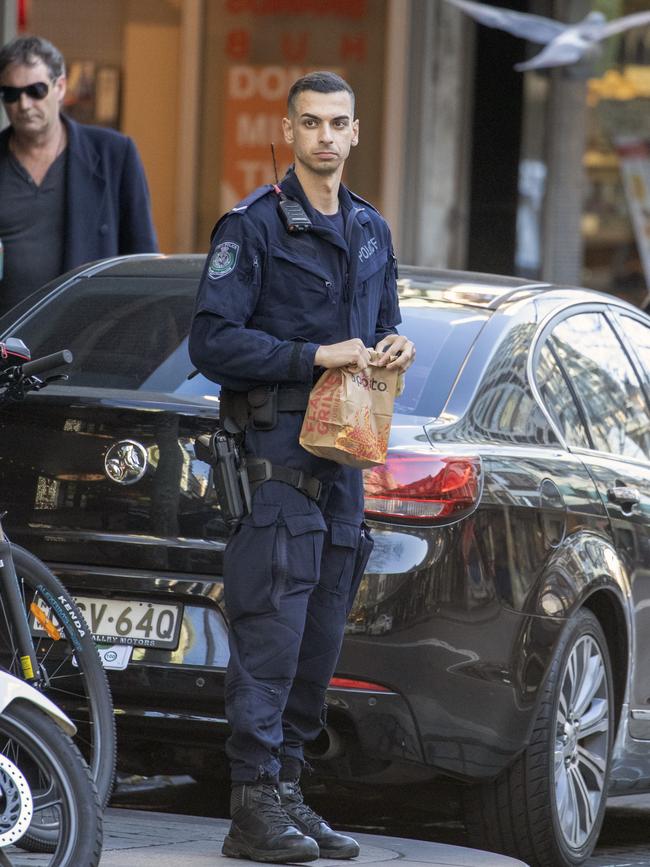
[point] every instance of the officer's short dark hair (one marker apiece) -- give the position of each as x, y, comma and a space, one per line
321, 82
28, 50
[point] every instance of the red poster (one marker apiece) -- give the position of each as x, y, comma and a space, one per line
256, 102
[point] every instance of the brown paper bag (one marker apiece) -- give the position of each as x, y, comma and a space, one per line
349, 415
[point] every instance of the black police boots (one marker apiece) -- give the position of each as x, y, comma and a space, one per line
330, 843
262, 831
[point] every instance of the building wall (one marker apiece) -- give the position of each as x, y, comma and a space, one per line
95, 35
150, 103
203, 86
141, 39
7, 32
469, 159
253, 52
431, 228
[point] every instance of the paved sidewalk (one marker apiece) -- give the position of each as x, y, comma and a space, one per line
134, 838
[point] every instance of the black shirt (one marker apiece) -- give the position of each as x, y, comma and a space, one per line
32, 225
334, 221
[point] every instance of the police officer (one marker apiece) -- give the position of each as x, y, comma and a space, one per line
301, 276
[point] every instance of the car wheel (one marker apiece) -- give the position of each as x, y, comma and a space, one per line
548, 808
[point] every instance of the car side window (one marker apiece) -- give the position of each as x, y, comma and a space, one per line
606, 384
558, 399
639, 336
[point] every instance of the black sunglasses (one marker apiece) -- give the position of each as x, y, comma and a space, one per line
38, 90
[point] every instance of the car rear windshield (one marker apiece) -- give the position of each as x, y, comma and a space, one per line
131, 333
124, 332
443, 335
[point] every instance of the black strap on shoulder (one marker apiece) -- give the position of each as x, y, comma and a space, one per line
262, 470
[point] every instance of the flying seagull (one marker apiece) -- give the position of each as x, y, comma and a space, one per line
564, 43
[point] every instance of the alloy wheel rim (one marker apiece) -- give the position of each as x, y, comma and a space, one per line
581, 742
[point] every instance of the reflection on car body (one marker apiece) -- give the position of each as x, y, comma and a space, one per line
383, 623
501, 633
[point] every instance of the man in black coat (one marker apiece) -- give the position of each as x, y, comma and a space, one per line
69, 193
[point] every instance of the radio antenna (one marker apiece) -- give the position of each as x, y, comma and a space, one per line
275, 166
291, 211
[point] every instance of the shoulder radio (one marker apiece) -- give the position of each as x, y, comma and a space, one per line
291, 212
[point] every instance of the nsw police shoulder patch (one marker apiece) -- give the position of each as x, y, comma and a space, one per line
223, 260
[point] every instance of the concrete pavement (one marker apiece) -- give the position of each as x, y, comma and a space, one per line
135, 838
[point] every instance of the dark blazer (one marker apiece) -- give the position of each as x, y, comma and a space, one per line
108, 210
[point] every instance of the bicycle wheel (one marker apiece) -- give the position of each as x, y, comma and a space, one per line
73, 675
43, 773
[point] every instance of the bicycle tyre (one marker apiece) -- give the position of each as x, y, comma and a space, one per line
75, 678
59, 782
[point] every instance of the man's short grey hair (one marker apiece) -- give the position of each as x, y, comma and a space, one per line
321, 82
28, 50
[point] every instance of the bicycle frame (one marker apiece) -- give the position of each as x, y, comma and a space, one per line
16, 381
50, 652
10, 592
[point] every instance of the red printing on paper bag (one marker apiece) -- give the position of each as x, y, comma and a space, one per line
319, 411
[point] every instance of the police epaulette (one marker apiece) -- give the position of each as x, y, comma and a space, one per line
242, 207
259, 193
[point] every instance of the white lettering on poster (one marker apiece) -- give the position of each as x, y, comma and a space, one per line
258, 129
268, 82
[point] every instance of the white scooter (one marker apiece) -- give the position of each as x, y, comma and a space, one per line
44, 782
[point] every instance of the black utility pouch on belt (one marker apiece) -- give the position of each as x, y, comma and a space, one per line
263, 407
222, 451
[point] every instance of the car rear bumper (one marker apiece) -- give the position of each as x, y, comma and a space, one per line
169, 703
394, 731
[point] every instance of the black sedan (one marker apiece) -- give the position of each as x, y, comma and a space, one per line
501, 635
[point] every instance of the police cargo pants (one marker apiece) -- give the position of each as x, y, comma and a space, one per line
290, 575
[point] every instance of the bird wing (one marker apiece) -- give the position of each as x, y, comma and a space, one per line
618, 25
535, 28
555, 54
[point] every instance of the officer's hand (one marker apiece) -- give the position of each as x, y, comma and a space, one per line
349, 353
395, 352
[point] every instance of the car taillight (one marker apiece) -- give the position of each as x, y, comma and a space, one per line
422, 488
362, 685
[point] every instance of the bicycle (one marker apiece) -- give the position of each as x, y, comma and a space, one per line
44, 639
44, 777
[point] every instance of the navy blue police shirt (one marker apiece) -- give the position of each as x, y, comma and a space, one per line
269, 298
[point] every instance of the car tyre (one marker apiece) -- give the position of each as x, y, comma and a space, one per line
548, 807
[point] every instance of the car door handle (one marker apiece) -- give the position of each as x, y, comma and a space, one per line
624, 496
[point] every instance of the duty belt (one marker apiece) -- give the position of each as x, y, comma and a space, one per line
262, 470
259, 407
289, 398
